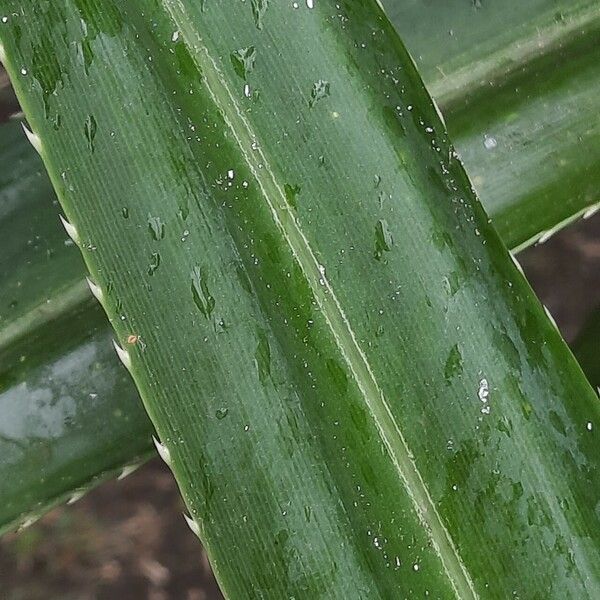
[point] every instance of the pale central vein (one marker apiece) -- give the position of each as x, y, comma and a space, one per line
331, 309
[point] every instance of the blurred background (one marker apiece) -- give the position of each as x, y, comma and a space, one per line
127, 539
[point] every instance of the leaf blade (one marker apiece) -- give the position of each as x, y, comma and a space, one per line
400, 365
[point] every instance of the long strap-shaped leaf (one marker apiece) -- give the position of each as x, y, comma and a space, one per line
523, 197
517, 83
358, 393
69, 414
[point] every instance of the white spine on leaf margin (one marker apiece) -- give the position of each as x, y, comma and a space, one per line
77, 495
70, 229
33, 138
128, 470
123, 356
96, 290
193, 525
163, 451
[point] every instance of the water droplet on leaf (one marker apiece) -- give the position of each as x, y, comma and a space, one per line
90, 128
259, 8
320, 90
291, 191
243, 61
221, 413
383, 238
201, 294
156, 227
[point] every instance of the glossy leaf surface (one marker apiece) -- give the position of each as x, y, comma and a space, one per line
519, 86
291, 357
69, 414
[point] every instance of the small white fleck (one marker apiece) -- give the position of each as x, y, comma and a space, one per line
416, 567
484, 390
247, 91
295, 5
23, 71
175, 36
589, 426
244, 184
230, 174
5, 19
310, 3
489, 142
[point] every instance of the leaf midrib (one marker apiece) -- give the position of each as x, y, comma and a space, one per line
345, 339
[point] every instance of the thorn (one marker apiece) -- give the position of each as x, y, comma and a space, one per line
592, 210
123, 356
28, 522
96, 290
33, 138
546, 235
128, 470
163, 451
551, 317
517, 263
70, 229
76, 496
192, 525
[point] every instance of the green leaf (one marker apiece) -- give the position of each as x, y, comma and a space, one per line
70, 416
518, 84
315, 457
428, 50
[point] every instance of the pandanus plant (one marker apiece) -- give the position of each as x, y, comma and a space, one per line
356, 389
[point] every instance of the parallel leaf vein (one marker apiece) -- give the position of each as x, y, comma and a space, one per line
340, 327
